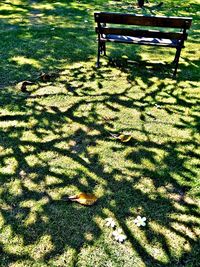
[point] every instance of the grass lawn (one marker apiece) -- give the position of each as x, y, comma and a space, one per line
55, 140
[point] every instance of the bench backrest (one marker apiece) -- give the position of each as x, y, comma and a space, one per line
182, 23
144, 20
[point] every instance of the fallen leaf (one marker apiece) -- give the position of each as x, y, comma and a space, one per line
24, 85
84, 199
124, 137
108, 118
45, 77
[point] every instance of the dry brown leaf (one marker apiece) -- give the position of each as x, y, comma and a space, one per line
24, 85
108, 118
84, 199
45, 77
124, 137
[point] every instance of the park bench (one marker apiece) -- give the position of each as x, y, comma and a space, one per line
160, 31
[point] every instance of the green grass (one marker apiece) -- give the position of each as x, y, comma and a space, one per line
55, 141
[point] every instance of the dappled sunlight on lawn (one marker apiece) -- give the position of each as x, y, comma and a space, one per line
57, 143
58, 139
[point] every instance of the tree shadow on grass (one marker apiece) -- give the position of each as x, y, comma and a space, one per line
58, 143
55, 149
43, 37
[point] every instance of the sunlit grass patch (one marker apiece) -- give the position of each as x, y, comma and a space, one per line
20, 60
57, 140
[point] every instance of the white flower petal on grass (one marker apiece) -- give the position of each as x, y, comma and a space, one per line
110, 222
22, 173
140, 221
117, 232
119, 236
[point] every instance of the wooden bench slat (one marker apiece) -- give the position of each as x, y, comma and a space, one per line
141, 33
140, 40
155, 21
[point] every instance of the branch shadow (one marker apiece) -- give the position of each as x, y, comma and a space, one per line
57, 143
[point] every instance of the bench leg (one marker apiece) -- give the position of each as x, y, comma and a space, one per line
176, 55
176, 60
104, 48
98, 54
101, 50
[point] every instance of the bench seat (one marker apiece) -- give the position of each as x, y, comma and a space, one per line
140, 40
